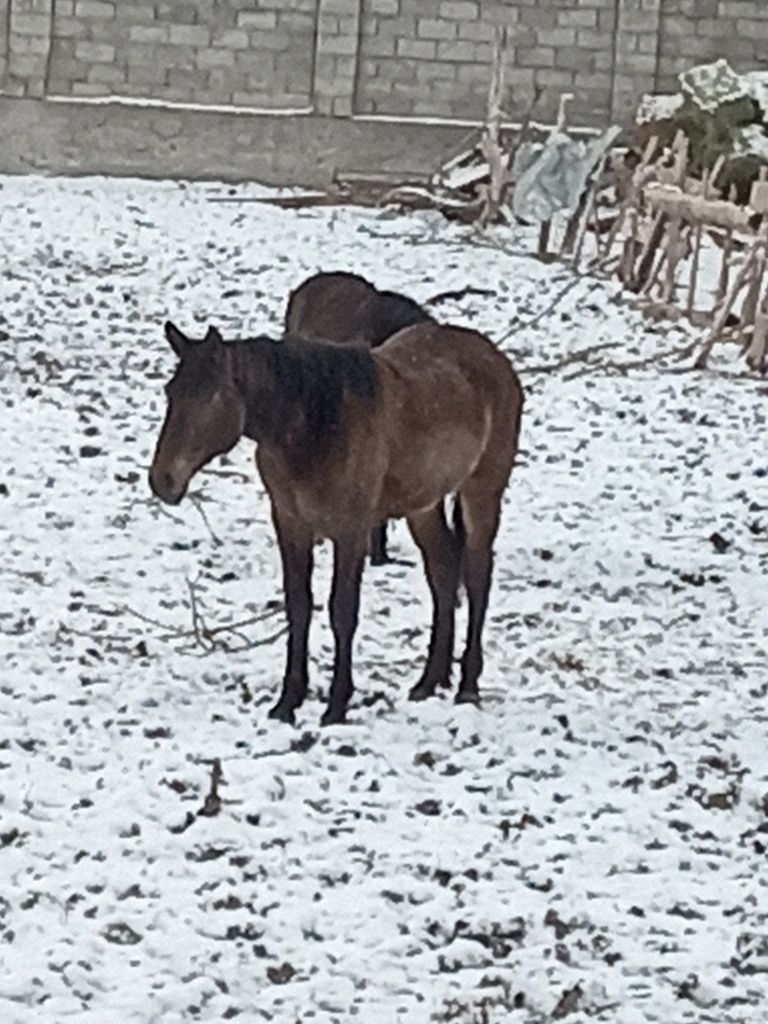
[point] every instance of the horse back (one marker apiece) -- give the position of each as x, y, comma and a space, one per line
451, 408
345, 308
450, 362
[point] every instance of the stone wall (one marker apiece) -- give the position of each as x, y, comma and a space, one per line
430, 57
367, 58
693, 31
179, 50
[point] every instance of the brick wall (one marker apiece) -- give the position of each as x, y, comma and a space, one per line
430, 57
219, 51
692, 31
423, 58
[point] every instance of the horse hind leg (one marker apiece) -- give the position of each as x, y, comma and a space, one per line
378, 545
479, 510
348, 560
440, 550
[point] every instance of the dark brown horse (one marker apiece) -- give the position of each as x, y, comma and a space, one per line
347, 309
348, 437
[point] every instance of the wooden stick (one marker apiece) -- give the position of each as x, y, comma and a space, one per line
629, 199
590, 211
709, 178
694, 275
654, 273
752, 298
490, 144
725, 266
648, 255
674, 255
544, 233
721, 315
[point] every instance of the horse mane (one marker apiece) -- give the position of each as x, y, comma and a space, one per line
395, 312
314, 376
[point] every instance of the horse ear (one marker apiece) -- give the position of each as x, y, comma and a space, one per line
179, 342
213, 335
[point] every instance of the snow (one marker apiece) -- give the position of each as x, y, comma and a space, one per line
711, 85
751, 140
591, 842
658, 107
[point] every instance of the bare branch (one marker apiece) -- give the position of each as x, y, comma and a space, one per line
199, 506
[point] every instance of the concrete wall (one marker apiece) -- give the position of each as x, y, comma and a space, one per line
338, 59
180, 50
691, 31
431, 56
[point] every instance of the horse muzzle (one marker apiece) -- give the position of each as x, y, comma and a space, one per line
166, 487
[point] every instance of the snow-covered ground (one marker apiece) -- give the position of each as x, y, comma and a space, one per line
590, 845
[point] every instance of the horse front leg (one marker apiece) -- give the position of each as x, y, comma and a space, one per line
296, 554
349, 557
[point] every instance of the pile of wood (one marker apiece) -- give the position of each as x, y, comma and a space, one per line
724, 116
665, 221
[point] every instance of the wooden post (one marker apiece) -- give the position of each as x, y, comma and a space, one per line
721, 315
490, 144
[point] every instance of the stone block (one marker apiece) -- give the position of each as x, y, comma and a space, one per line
554, 78
535, 57
89, 89
298, 23
29, 24
459, 10
177, 12
108, 74
579, 17
231, 38
187, 79
257, 19
557, 37
574, 58
272, 41
742, 9
214, 58
135, 13
189, 35
463, 50
476, 31
96, 53
753, 29
94, 9
417, 49
149, 33
28, 45
338, 44
592, 39
379, 46
436, 28
539, 17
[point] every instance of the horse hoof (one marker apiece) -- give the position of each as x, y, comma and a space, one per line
467, 697
283, 713
333, 717
421, 691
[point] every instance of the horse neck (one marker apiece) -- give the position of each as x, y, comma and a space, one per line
268, 415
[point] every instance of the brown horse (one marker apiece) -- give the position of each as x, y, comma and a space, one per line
347, 309
348, 437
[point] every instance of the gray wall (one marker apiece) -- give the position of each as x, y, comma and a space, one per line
337, 58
